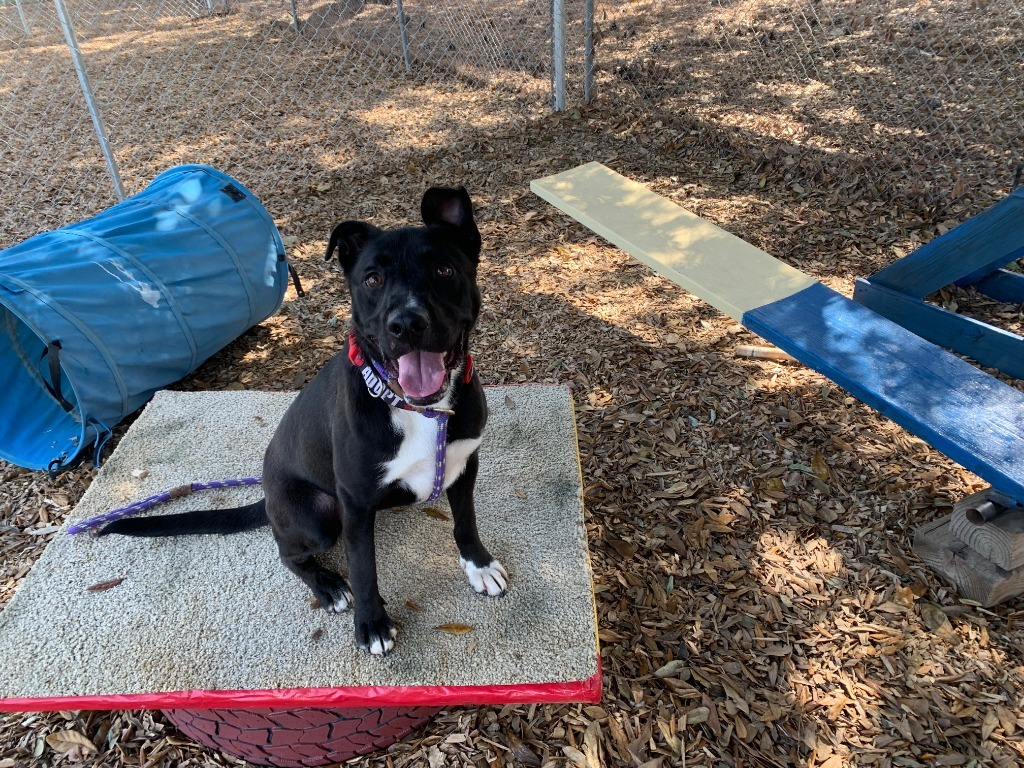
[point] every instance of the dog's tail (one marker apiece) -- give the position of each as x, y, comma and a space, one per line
221, 521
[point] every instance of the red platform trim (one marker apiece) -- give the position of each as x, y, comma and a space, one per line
588, 690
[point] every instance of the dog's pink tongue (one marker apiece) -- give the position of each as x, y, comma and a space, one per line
421, 374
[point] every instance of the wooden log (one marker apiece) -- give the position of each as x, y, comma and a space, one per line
969, 573
1000, 540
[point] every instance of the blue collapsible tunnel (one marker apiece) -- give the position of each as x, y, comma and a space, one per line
97, 316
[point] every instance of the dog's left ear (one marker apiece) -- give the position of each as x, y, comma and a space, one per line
445, 205
350, 237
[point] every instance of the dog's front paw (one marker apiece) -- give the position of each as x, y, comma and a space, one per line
377, 636
333, 593
490, 580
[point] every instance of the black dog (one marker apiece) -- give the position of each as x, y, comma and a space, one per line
395, 422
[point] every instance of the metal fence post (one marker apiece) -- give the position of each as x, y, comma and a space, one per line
588, 51
90, 100
404, 34
558, 52
21, 15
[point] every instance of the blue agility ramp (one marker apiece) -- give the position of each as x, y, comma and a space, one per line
966, 414
971, 417
97, 316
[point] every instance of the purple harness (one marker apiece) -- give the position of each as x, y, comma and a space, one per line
376, 379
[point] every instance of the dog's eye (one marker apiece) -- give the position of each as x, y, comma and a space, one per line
444, 271
374, 280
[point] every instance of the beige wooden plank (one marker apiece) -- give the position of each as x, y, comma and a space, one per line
720, 268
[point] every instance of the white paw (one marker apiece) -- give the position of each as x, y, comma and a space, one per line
381, 645
340, 605
490, 580
342, 602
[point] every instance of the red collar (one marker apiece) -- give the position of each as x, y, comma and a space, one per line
356, 357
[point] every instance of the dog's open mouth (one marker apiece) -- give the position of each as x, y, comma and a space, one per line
425, 376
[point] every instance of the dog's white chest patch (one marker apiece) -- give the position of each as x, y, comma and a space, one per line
414, 466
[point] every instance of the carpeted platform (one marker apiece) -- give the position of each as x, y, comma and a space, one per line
218, 621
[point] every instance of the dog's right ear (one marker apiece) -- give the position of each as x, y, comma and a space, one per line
350, 237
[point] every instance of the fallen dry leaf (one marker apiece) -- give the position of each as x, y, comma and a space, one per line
66, 741
592, 745
694, 716
906, 595
522, 753
103, 586
989, 724
820, 467
456, 629
892, 606
575, 756
670, 737
624, 548
671, 669
937, 621
803, 140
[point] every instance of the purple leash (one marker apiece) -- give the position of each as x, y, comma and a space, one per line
375, 382
139, 506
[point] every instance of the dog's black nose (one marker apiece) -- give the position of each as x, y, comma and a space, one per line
408, 324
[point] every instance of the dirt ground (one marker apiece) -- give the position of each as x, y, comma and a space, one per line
747, 518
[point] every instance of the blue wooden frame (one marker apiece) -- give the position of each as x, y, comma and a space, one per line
989, 346
1002, 285
967, 253
971, 254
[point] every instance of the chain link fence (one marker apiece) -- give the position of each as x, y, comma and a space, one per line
278, 92
910, 103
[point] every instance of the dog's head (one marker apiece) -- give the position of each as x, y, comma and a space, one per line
413, 290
